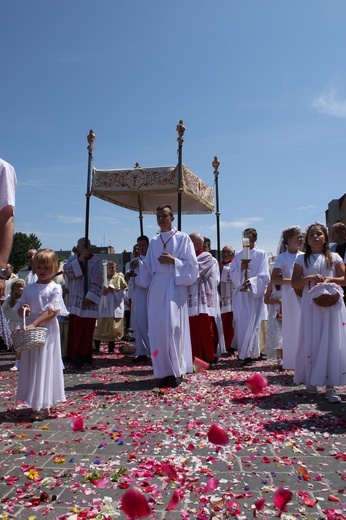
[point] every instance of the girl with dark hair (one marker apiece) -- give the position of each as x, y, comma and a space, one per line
288, 250
321, 355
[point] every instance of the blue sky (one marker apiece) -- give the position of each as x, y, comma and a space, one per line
259, 83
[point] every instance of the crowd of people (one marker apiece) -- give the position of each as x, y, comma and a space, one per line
184, 308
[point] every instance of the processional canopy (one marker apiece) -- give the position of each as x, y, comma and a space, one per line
144, 189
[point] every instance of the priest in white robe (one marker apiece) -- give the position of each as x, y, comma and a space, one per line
203, 303
169, 267
139, 306
248, 305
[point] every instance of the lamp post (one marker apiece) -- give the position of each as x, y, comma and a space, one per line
180, 130
91, 138
215, 165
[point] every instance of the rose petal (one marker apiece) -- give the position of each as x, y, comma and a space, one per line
134, 504
256, 383
199, 365
281, 497
169, 470
211, 485
78, 424
217, 435
174, 501
259, 504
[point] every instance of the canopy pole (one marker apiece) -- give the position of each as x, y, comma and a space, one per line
140, 215
140, 209
180, 130
91, 138
215, 165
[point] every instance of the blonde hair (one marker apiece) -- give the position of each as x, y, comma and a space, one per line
46, 257
13, 290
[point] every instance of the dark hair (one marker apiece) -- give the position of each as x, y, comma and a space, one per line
290, 233
325, 251
251, 231
165, 206
144, 238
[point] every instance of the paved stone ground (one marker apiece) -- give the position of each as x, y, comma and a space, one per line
136, 435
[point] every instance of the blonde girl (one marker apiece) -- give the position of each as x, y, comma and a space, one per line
41, 379
11, 315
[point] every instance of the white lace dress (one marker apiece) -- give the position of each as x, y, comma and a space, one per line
274, 328
321, 354
41, 378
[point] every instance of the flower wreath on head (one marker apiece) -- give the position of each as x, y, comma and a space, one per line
324, 226
282, 247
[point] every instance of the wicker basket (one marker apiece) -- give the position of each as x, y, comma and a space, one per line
28, 339
325, 294
327, 300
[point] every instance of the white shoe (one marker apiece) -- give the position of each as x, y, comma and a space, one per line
311, 389
14, 369
331, 396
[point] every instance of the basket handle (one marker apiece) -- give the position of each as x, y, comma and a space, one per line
24, 321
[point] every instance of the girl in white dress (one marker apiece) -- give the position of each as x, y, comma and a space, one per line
289, 249
273, 300
321, 355
41, 378
11, 314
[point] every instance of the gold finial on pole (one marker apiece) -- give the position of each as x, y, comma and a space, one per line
91, 138
180, 130
215, 164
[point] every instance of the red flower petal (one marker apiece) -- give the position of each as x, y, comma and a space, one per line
169, 470
256, 383
333, 498
259, 504
155, 353
281, 497
78, 424
134, 504
174, 501
199, 365
217, 435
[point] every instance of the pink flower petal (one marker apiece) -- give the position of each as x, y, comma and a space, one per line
281, 497
78, 424
155, 353
169, 470
199, 365
256, 383
134, 504
174, 501
211, 485
217, 435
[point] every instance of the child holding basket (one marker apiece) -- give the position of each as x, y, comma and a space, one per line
41, 379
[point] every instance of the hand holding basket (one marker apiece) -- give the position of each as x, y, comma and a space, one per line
29, 338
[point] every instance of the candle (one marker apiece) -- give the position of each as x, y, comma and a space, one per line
105, 282
246, 249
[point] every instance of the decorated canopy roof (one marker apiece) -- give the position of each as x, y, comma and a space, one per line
144, 189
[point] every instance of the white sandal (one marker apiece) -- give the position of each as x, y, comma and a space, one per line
331, 395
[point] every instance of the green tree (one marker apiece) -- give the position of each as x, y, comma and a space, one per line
21, 244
